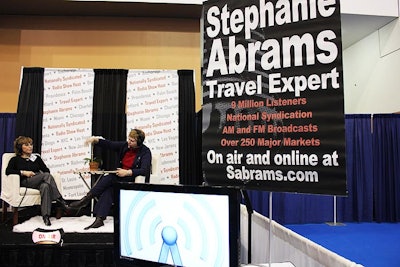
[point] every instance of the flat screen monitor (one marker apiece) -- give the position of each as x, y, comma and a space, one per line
174, 225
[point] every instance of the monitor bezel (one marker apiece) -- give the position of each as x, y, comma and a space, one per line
233, 194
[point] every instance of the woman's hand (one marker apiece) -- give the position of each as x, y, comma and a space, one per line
91, 140
123, 172
27, 173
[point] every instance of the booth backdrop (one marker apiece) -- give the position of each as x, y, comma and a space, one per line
373, 168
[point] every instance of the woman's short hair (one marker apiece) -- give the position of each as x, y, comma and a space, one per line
138, 135
19, 141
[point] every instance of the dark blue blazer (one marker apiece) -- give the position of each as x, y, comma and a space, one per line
142, 163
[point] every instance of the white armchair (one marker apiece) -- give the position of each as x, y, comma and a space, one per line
155, 171
15, 195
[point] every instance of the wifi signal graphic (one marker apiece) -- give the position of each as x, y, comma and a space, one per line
173, 228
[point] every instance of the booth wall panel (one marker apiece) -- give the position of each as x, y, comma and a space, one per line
94, 42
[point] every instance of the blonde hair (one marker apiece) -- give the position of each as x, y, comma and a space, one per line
138, 135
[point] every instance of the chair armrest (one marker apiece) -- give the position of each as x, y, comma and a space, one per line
140, 179
156, 179
10, 185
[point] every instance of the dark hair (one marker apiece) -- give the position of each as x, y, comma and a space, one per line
138, 135
19, 141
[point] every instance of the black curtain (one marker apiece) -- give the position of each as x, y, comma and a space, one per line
109, 117
30, 106
187, 130
199, 146
373, 163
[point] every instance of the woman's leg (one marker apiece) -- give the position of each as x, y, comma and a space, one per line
102, 185
45, 194
103, 206
42, 182
104, 203
45, 205
45, 183
54, 192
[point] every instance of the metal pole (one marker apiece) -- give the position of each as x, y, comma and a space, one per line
335, 223
270, 228
334, 210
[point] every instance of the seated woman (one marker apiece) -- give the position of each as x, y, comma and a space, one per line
35, 174
135, 160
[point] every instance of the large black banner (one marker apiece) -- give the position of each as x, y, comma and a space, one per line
273, 111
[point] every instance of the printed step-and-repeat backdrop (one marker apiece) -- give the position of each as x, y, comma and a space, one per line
152, 105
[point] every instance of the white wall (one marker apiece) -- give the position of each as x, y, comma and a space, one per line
371, 66
371, 70
369, 7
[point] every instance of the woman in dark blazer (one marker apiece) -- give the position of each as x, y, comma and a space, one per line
35, 174
135, 160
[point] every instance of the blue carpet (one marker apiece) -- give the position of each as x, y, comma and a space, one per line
368, 244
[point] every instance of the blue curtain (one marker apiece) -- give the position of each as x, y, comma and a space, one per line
7, 130
7, 133
373, 176
292, 208
386, 156
373, 179
357, 206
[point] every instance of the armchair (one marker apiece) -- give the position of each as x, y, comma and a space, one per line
155, 171
15, 195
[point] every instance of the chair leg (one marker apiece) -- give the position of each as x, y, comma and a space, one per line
4, 211
59, 212
15, 215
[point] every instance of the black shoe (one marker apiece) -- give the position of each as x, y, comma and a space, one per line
62, 203
46, 220
82, 202
96, 224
